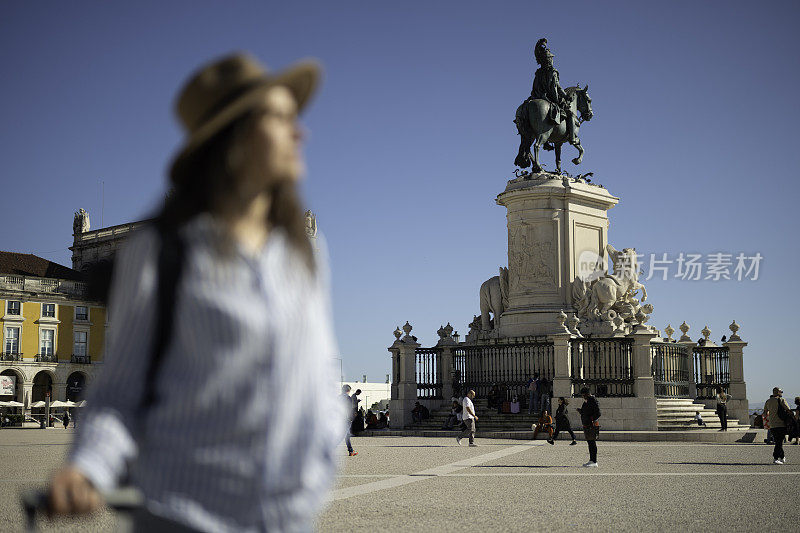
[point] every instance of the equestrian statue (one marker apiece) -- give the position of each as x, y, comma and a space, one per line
551, 116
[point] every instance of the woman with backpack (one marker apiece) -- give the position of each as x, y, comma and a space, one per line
222, 329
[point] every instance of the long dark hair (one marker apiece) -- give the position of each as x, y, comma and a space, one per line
205, 182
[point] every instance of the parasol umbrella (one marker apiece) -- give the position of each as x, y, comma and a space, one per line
14, 404
82, 403
58, 403
37, 404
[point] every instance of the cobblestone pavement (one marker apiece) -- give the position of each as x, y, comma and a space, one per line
424, 484
431, 484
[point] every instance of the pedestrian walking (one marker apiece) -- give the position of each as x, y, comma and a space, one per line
469, 418
562, 422
590, 412
797, 418
722, 407
347, 403
66, 419
222, 329
779, 414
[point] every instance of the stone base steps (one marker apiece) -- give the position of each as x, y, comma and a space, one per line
710, 436
674, 414
677, 414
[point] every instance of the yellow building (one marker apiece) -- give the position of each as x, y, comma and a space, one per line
53, 338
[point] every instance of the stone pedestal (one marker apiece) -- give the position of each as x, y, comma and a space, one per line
554, 224
738, 405
643, 385
445, 370
562, 379
404, 384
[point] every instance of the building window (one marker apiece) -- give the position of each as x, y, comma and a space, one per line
47, 342
14, 307
81, 338
81, 312
12, 341
49, 310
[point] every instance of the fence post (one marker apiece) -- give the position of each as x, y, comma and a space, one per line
643, 384
404, 384
444, 368
738, 390
562, 377
689, 344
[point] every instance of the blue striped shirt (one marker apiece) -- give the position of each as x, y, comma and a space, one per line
242, 434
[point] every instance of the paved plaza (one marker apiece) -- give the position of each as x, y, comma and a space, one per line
431, 484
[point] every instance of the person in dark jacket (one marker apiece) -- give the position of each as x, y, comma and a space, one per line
590, 412
562, 422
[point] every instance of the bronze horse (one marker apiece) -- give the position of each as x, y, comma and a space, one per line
536, 129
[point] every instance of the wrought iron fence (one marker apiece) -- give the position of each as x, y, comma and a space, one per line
81, 359
46, 358
10, 356
428, 373
605, 366
671, 369
711, 370
506, 366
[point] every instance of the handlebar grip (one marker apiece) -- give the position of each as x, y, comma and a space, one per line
37, 500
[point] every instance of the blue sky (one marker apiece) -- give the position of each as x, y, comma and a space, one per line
411, 139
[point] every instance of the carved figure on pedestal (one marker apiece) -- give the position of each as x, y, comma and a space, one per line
80, 222
530, 261
311, 224
549, 117
493, 299
611, 298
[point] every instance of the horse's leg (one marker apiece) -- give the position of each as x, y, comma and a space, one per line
536, 144
577, 145
644, 291
558, 158
523, 159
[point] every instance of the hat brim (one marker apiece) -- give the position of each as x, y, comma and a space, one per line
301, 79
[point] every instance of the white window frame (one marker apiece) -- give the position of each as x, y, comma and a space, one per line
55, 311
6, 338
41, 339
8, 307
88, 313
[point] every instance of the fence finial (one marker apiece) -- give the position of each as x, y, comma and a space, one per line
398, 333
573, 325
684, 330
562, 318
407, 329
706, 333
734, 327
669, 330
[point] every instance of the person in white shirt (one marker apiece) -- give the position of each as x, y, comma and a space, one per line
210, 436
699, 419
469, 418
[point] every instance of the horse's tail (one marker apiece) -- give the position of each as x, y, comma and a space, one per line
522, 121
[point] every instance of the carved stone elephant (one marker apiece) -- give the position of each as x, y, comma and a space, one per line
493, 299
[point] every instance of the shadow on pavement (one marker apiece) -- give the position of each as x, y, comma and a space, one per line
715, 464
526, 466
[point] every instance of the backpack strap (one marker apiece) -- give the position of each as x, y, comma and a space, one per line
170, 266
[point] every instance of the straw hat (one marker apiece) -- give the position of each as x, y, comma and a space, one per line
225, 89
